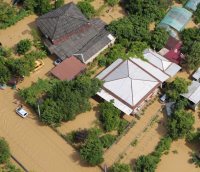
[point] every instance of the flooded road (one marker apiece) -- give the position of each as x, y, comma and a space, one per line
36, 146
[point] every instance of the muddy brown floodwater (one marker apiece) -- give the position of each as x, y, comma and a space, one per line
36, 146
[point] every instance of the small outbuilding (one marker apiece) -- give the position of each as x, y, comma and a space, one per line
69, 69
193, 94
196, 75
177, 18
198, 154
175, 54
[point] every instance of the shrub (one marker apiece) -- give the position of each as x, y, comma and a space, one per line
20, 16
102, 62
92, 151
107, 140
134, 143
157, 153
44, 6
30, 5
72, 135
112, 2
167, 152
6, 52
175, 151
35, 35
123, 123
164, 144
121, 167
59, 3
81, 136
94, 133
146, 163
23, 46
145, 129
5, 74
4, 150
109, 115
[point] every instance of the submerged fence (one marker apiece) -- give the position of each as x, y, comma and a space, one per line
19, 162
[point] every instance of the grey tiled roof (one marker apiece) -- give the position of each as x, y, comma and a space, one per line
62, 21
83, 41
94, 45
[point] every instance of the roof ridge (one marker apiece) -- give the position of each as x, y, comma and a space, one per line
92, 39
79, 19
116, 79
55, 28
143, 80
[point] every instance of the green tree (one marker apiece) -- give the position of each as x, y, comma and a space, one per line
121, 167
59, 3
190, 34
159, 38
86, 8
192, 52
112, 2
94, 133
180, 124
164, 144
193, 137
107, 140
4, 150
72, 98
134, 28
7, 12
146, 163
23, 46
136, 50
5, 74
31, 4
44, 6
92, 152
109, 115
177, 87
181, 104
117, 52
6, 52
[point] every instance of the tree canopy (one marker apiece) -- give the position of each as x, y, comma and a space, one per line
177, 87
192, 52
86, 8
159, 38
7, 12
5, 74
4, 150
23, 46
92, 151
121, 167
135, 28
109, 115
43, 6
146, 163
180, 124
67, 99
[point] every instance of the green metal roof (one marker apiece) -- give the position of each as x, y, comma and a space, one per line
177, 18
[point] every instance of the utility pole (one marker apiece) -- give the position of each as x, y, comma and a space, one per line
55, 3
39, 111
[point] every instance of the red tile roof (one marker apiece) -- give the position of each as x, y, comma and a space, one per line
175, 55
69, 68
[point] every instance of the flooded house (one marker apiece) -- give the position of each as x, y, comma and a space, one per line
69, 33
193, 95
133, 82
